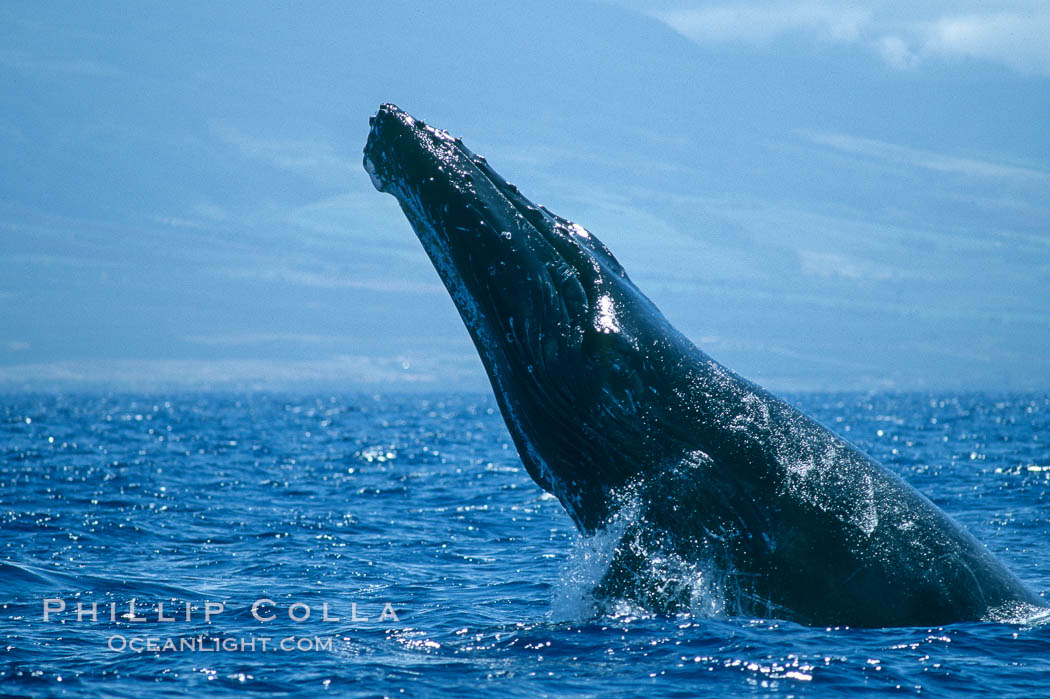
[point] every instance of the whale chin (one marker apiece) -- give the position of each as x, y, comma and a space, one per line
373, 174
636, 430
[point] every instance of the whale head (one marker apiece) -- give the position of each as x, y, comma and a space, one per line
551, 312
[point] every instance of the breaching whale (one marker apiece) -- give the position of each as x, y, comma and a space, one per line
636, 430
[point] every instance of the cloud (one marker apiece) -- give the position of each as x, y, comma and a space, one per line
329, 279
1017, 39
360, 371
75, 67
824, 263
178, 222
724, 344
762, 22
262, 338
363, 216
316, 160
1012, 32
17, 345
929, 160
44, 260
895, 51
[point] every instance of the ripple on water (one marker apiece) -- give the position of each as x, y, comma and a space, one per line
421, 502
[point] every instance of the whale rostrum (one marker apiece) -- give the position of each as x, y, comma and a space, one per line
631, 426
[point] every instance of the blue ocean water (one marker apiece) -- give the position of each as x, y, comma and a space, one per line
416, 509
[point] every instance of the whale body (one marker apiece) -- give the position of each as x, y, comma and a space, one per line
636, 430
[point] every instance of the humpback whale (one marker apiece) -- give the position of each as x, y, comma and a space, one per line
637, 431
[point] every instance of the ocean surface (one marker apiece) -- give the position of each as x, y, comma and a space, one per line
409, 522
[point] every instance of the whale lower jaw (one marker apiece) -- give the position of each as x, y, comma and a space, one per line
435, 244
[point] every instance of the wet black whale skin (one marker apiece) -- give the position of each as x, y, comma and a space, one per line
711, 479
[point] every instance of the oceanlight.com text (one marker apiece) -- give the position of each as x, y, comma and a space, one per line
212, 644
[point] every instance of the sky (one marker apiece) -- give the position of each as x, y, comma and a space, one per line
822, 195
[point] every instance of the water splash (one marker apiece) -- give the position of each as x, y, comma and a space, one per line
1020, 614
623, 570
572, 595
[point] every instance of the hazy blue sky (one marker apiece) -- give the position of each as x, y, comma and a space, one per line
821, 194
